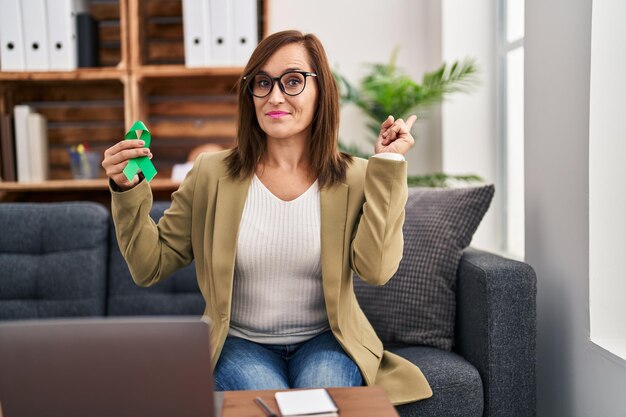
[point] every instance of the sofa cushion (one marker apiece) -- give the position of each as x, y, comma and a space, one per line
417, 306
177, 295
53, 259
456, 384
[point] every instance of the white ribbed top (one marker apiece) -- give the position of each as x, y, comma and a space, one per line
277, 293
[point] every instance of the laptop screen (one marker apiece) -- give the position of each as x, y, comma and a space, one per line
106, 367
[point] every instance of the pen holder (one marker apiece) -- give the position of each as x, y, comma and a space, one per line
85, 164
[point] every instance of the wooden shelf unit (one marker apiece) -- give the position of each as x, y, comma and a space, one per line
172, 71
79, 74
142, 77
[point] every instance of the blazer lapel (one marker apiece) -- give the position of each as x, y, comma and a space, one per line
333, 206
231, 197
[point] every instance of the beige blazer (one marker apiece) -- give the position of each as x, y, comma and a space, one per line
361, 230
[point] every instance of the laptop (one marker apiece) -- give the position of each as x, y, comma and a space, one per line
104, 367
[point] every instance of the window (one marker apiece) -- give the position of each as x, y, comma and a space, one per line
511, 125
607, 199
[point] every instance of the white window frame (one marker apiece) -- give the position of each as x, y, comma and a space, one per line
504, 48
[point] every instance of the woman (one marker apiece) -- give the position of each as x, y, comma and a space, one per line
276, 227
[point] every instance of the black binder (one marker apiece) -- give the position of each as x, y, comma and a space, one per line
88, 42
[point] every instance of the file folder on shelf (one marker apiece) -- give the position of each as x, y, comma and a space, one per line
219, 32
196, 32
35, 25
88, 42
245, 31
62, 37
220, 18
12, 57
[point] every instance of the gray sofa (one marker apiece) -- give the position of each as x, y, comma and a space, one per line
62, 259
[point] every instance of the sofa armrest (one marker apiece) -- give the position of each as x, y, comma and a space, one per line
496, 329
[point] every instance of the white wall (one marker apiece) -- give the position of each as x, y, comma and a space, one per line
575, 378
607, 153
469, 121
354, 32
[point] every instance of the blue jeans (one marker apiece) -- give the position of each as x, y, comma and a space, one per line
317, 363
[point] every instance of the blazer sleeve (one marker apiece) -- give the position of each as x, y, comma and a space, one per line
153, 252
377, 244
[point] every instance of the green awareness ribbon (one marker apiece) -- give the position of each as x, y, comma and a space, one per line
141, 162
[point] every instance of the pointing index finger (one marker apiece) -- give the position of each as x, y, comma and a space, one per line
410, 121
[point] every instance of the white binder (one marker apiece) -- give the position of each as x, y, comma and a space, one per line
221, 32
11, 36
22, 143
62, 37
195, 27
35, 26
245, 32
37, 127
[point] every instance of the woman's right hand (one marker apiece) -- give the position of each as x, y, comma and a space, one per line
116, 158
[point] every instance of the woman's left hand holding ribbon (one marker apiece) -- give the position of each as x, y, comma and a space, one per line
117, 157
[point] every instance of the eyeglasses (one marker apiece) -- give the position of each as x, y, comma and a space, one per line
291, 83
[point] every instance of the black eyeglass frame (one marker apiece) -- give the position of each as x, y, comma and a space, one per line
305, 74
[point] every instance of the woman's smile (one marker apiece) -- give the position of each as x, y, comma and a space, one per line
276, 114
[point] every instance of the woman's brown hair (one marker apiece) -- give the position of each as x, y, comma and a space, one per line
326, 160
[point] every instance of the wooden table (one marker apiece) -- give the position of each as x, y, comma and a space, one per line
75, 190
352, 402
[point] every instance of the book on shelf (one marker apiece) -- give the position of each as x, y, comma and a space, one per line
22, 144
8, 148
31, 144
38, 137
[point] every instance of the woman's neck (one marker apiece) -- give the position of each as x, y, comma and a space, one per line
288, 155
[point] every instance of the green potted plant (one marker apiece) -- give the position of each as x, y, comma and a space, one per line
386, 90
